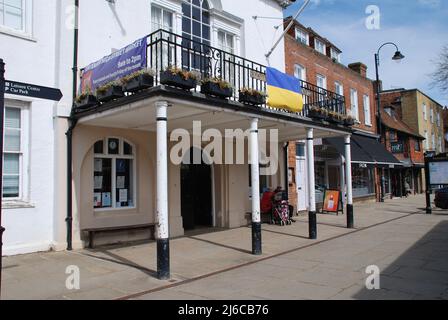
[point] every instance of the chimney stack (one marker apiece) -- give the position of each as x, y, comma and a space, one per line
360, 68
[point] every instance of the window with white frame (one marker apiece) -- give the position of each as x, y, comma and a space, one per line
425, 112
431, 115
438, 119
226, 42
114, 174
335, 54
300, 72
339, 88
196, 27
354, 104
367, 114
319, 46
13, 155
433, 139
426, 141
13, 14
161, 19
440, 145
302, 36
321, 81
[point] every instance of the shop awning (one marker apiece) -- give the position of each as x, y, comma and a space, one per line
365, 150
358, 154
376, 150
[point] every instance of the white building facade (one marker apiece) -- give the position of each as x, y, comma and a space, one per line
36, 39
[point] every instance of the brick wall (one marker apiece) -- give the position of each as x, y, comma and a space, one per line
316, 63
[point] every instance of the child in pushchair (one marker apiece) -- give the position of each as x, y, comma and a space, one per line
280, 210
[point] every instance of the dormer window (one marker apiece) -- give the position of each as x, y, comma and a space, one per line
388, 110
335, 55
320, 46
302, 36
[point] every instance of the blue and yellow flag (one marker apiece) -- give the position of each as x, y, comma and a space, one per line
284, 91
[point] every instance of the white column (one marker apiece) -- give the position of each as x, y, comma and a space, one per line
255, 176
348, 180
255, 173
311, 183
162, 230
343, 192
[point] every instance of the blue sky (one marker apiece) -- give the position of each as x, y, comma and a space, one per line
418, 27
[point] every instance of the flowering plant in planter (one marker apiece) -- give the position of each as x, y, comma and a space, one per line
179, 78
349, 121
318, 113
109, 91
252, 96
86, 100
216, 87
336, 117
139, 80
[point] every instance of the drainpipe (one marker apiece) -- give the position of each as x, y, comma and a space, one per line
72, 124
286, 172
2, 111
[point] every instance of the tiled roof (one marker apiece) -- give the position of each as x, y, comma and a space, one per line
394, 122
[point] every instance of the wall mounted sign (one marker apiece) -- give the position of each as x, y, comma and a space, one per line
397, 147
32, 90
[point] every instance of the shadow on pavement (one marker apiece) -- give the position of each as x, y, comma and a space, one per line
420, 273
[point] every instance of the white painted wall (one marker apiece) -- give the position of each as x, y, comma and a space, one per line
44, 56
30, 58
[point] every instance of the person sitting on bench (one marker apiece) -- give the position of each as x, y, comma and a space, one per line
266, 202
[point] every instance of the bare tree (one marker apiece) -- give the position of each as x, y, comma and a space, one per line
440, 76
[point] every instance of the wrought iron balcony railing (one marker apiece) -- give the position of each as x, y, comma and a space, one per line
168, 49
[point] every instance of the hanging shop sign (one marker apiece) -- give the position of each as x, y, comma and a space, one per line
397, 147
115, 66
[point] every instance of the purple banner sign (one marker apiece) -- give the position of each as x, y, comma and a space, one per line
119, 64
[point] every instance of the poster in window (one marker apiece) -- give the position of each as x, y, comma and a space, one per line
97, 200
123, 195
98, 182
121, 181
98, 165
107, 199
121, 166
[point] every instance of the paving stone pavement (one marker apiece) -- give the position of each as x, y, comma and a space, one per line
409, 248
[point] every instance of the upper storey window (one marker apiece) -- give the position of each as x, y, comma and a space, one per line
320, 46
302, 36
196, 20
12, 14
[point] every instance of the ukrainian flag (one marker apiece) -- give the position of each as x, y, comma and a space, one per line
284, 91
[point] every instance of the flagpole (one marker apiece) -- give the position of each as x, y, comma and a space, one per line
302, 8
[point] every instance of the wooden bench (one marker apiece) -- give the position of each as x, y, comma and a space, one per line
93, 231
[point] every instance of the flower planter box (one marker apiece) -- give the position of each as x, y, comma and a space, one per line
349, 122
255, 100
317, 116
335, 120
175, 80
87, 102
139, 83
111, 93
213, 89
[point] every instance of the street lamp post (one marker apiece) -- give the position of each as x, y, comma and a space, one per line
397, 57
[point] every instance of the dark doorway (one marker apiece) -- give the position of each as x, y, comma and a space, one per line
196, 195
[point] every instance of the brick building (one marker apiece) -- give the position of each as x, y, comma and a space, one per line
422, 114
316, 60
407, 146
